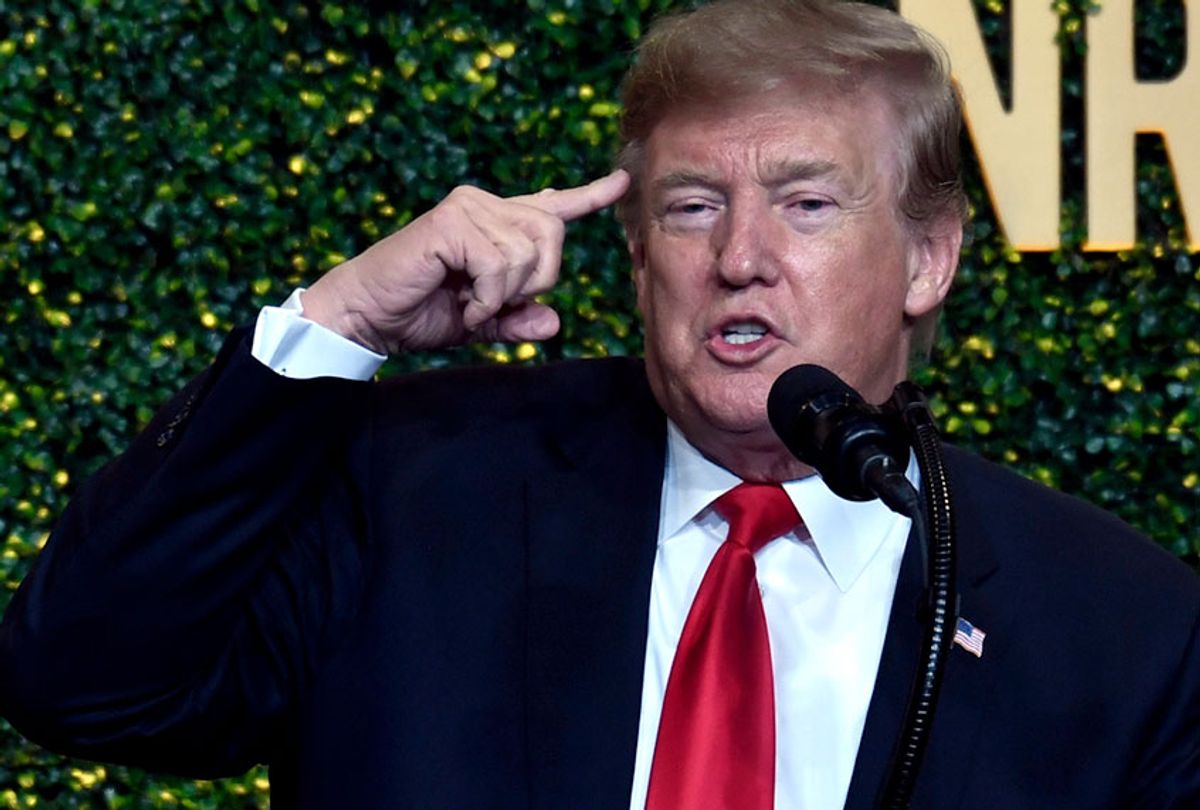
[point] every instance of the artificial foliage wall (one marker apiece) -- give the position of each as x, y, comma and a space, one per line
169, 166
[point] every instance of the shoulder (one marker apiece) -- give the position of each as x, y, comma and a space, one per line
1062, 540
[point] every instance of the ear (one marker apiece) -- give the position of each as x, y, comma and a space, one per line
932, 262
637, 259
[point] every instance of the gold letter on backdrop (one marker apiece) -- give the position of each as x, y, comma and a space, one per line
1018, 149
1118, 106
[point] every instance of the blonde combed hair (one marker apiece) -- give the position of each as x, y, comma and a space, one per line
732, 48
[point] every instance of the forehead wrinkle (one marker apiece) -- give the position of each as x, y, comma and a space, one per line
770, 155
858, 184
776, 173
703, 166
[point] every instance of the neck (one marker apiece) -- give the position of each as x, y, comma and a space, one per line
759, 459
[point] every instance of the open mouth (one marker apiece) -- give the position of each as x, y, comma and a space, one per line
743, 333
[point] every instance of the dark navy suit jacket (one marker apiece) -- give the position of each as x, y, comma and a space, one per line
433, 592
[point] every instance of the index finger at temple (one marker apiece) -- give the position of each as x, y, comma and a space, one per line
572, 203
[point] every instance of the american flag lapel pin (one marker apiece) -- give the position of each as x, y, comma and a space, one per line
969, 637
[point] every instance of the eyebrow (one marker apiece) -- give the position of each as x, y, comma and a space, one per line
779, 172
776, 173
683, 178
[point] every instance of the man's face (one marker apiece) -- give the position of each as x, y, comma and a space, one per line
769, 237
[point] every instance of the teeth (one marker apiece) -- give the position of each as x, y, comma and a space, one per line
740, 334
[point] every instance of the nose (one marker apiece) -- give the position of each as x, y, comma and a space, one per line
741, 245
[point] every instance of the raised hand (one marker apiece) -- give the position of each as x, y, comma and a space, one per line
468, 268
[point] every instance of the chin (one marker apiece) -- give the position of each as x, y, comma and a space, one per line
734, 406
741, 440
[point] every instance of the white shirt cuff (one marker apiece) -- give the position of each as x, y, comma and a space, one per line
293, 346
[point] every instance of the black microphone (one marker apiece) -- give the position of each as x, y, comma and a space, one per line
860, 451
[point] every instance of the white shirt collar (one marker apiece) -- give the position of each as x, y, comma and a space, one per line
846, 534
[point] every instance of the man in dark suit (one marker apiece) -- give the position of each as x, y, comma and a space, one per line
467, 589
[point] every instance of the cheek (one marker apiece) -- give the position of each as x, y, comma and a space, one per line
667, 286
847, 296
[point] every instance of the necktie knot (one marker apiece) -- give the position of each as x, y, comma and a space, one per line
757, 514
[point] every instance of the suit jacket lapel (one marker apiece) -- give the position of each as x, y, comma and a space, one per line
987, 600
593, 526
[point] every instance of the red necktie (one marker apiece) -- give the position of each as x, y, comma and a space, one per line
716, 739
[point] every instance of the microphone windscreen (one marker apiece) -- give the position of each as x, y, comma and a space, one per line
796, 391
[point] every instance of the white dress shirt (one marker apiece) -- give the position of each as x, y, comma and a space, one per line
827, 594
827, 588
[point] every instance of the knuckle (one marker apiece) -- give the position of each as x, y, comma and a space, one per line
549, 226
490, 264
464, 197
526, 254
442, 214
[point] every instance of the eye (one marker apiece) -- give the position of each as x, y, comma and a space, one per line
808, 210
691, 213
691, 207
812, 204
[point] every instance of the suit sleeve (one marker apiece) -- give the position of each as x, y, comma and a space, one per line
192, 586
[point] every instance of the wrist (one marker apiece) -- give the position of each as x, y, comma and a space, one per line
327, 304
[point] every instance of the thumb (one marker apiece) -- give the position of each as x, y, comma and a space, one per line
528, 321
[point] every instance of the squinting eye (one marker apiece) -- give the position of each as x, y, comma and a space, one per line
812, 204
692, 214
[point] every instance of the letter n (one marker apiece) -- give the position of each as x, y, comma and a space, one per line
1119, 107
1018, 148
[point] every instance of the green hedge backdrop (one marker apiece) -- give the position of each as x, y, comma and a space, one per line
168, 166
